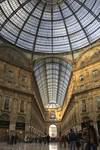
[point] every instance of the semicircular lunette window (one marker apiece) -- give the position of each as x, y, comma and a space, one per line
52, 76
40, 26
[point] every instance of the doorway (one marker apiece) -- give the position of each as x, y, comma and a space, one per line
53, 131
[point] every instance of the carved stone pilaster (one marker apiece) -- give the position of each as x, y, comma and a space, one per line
28, 117
13, 116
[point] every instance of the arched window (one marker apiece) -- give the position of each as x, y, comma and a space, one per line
22, 106
6, 102
53, 130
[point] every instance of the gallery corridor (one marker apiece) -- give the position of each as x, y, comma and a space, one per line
49, 74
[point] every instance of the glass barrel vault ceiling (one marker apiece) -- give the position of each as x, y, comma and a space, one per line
51, 26
52, 76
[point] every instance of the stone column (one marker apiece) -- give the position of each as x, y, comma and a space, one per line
13, 115
1, 102
28, 118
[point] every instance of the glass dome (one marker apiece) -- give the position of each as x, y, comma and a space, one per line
50, 26
52, 76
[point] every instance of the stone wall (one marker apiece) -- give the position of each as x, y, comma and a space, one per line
18, 106
85, 99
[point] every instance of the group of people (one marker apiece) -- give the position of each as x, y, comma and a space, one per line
37, 139
12, 139
85, 139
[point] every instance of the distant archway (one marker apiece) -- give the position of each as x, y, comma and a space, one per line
53, 131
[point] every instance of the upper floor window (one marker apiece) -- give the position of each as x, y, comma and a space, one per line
98, 102
6, 102
9, 73
52, 115
95, 73
84, 106
24, 78
22, 106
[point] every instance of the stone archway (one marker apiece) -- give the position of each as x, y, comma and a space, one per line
4, 127
53, 131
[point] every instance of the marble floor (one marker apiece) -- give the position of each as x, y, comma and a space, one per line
26, 146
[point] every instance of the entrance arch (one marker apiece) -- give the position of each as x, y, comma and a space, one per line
53, 131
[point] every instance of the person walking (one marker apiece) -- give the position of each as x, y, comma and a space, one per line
93, 141
72, 137
90, 137
78, 142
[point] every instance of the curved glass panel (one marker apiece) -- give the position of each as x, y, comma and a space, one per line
52, 76
51, 26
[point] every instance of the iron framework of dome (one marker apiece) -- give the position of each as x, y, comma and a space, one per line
52, 76
51, 26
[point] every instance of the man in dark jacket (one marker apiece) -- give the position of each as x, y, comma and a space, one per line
92, 138
72, 137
